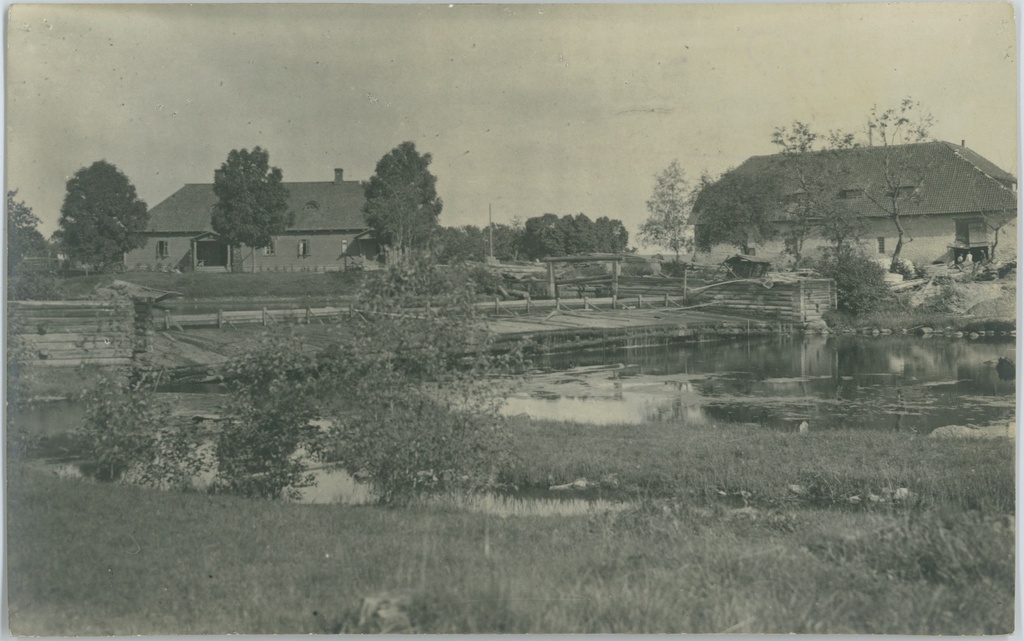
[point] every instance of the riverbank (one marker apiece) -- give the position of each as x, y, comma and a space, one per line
720, 534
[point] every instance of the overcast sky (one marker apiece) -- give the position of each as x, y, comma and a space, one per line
531, 109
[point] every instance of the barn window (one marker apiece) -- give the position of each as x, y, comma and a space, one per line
163, 249
881, 244
304, 248
851, 194
269, 249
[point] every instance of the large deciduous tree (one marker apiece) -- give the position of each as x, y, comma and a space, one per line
101, 216
252, 204
402, 205
669, 206
23, 237
737, 208
549, 235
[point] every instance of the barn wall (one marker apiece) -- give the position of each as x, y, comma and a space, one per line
926, 240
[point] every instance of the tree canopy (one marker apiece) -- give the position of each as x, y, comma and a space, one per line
549, 235
101, 216
23, 237
252, 204
737, 208
402, 205
669, 207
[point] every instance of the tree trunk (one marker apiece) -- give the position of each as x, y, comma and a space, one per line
253, 260
899, 244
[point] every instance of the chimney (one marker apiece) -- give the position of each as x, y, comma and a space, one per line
339, 174
217, 174
963, 143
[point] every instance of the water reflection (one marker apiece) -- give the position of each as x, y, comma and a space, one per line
889, 382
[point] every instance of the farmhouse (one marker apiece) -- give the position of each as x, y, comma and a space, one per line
329, 233
952, 201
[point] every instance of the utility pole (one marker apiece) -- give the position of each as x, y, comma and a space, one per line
490, 230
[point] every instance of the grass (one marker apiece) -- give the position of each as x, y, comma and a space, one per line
93, 559
672, 460
206, 286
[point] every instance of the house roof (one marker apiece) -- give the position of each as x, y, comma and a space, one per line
948, 178
318, 206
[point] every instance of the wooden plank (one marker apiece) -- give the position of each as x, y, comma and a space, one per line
70, 362
71, 304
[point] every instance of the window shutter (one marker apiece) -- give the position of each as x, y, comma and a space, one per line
300, 249
309, 249
158, 249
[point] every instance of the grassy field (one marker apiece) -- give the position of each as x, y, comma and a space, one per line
86, 558
205, 286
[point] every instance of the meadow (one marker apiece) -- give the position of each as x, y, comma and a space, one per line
724, 528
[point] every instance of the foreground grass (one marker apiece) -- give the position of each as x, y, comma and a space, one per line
205, 286
833, 466
86, 558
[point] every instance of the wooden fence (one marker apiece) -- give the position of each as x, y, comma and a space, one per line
68, 333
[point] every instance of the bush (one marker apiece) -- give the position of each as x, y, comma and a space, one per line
130, 436
860, 281
428, 388
36, 285
262, 452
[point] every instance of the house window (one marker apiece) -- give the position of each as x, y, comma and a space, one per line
881, 244
304, 249
163, 249
344, 246
750, 251
269, 249
851, 194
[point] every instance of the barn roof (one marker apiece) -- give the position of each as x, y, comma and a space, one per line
318, 206
948, 178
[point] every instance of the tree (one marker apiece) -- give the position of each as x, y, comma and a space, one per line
101, 216
402, 205
897, 127
814, 208
252, 205
549, 235
669, 206
23, 239
737, 208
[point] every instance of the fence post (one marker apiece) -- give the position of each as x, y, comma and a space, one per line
615, 301
527, 302
666, 299
220, 318
264, 316
586, 305
639, 301
167, 319
496, 306
309, 315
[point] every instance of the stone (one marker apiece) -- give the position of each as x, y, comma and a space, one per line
385, 613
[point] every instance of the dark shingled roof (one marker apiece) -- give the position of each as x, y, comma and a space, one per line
318, 206
951, 179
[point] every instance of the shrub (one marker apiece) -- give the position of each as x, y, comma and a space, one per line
483, 280
262, 451
674, 268
860, 281
428, 388
36, 285
130, 436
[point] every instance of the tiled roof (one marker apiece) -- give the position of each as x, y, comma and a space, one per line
317, 206
950, 179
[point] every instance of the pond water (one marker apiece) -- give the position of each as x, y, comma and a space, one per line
883, 383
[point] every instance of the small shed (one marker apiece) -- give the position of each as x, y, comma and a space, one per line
746, 267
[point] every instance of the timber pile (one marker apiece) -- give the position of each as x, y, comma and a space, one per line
802, 300
70, 333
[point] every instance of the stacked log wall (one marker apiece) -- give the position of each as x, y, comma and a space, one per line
72, 333
801, 301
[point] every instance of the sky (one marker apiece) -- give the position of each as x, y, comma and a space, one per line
526, 109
